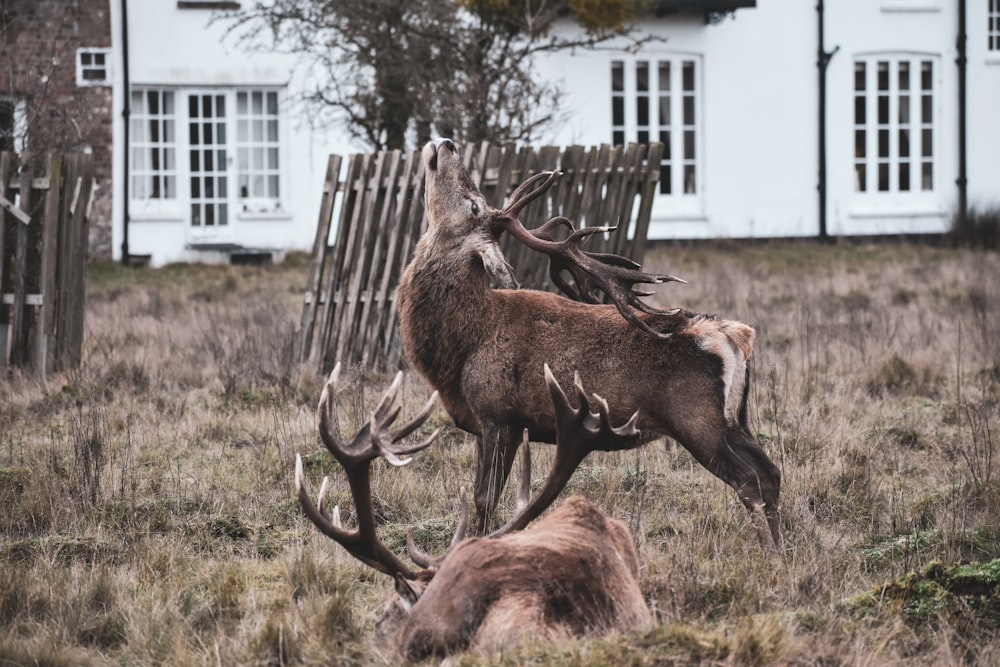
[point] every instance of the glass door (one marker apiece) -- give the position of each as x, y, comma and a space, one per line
209, 161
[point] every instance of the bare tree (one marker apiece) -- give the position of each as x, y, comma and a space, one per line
396, 71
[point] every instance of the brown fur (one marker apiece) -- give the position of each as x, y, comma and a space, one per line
574, 573
483, 349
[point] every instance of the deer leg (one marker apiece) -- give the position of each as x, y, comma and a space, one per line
496, 450
738, 460
747, 468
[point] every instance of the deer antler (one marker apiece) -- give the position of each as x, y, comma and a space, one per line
611, 274
579, 431
376, 439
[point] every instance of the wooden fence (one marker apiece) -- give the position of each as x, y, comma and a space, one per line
349, 312
45, 201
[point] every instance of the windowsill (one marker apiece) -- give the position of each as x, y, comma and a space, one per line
908, 6
876, 213
679, 217
264, 216
154, 217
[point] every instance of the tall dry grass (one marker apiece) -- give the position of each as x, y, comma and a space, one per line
148, 515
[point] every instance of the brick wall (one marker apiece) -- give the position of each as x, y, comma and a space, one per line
38, 44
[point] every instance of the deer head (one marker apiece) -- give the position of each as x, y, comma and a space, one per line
503, 602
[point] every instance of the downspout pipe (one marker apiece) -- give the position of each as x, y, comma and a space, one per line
126, 113
823, 58
962, 61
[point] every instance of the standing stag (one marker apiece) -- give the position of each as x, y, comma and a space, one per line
574, 573
686, 374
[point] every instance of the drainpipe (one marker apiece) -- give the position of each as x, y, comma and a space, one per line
961, 61
126, 113
822, 62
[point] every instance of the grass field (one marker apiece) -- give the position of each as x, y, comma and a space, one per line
147, 513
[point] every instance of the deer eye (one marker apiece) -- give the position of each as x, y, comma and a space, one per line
474, 208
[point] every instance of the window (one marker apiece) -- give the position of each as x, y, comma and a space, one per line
660, 100
993, 27
894, 124
6, 125
205, 154
93, 67
257, 148
153, 139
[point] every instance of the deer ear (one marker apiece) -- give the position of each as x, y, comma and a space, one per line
499, 270
408, 593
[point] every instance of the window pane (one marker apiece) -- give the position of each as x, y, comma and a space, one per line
859, 177
617, 76
272, 104
925, 108
153, 102
642, 136
926, 71
689, 145
665, 179
883, 109
272, 128
193, 106
642, 110
688, 110
642, 76
859, 76
883, 143
927, 176
883, 176
859, 110
241, 103
664, 81
618, 138
883, 75
904, 176
904, 143
904, 109
687, 75
904, 75
664, 110
859, 143
926, 137
690, 187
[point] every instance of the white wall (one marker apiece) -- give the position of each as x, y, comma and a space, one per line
761, 115
179, 47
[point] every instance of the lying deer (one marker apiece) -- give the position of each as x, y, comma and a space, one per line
574, 573
686, 374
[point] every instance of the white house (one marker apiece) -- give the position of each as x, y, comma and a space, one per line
217, 159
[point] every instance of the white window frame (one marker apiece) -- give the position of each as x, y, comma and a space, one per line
895, 131
667, 107
83, 66
143, 206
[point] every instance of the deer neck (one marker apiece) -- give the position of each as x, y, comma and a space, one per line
445, 306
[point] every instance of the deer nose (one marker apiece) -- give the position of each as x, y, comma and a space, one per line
446, 143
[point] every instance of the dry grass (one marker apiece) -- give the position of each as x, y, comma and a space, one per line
148, 512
